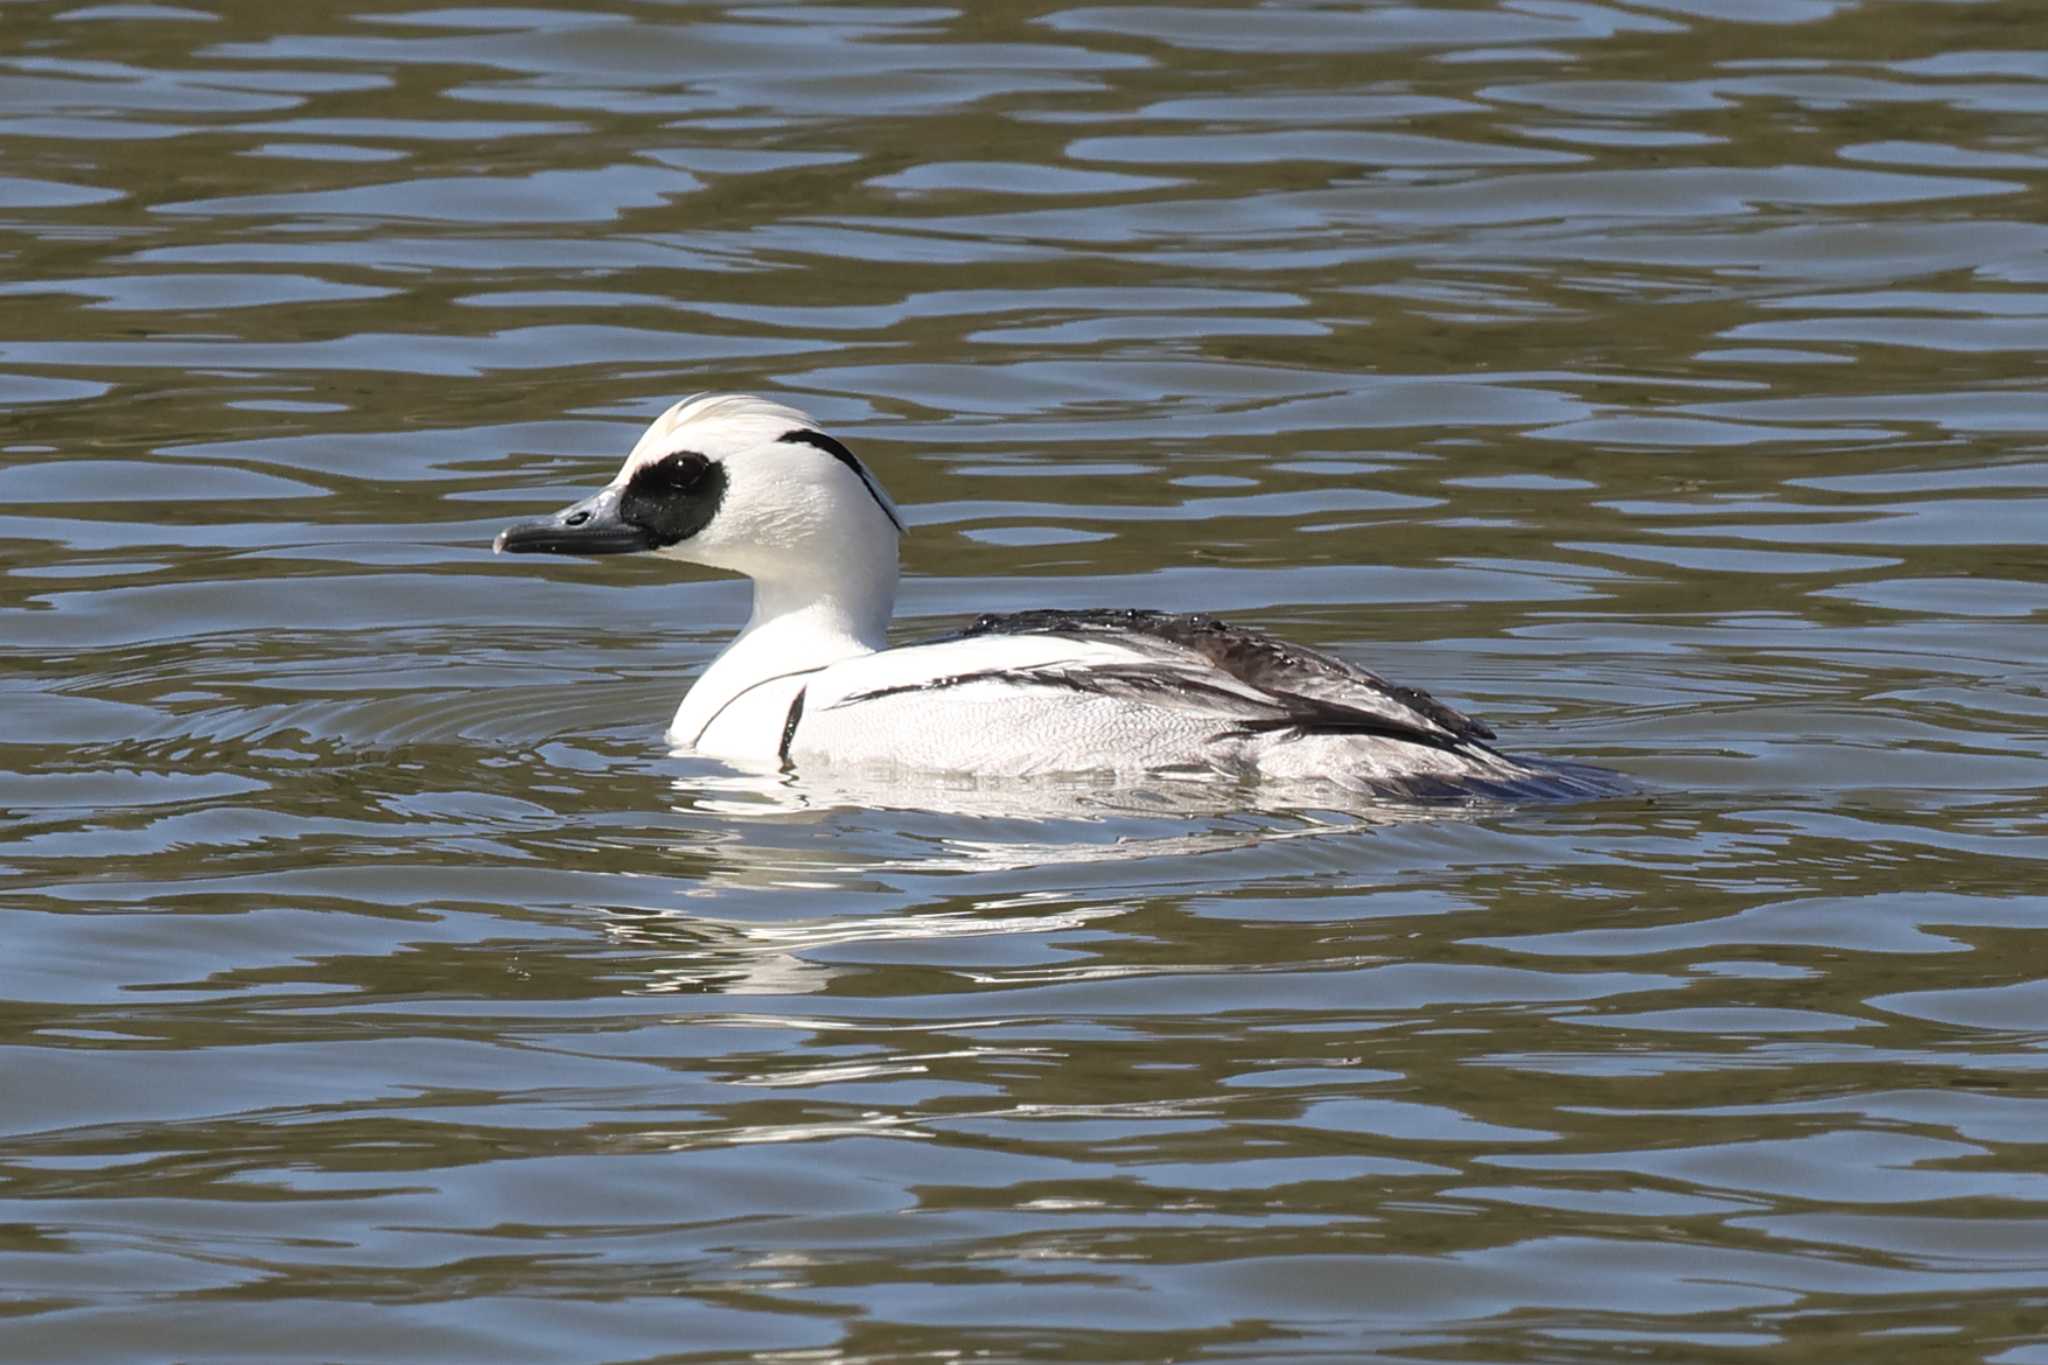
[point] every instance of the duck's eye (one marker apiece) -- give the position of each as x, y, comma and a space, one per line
672, 474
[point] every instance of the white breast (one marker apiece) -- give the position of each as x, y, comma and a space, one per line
875, 708
748, 727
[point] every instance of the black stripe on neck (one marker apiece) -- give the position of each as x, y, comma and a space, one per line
806, 437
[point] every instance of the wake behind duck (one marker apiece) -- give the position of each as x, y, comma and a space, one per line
747, 485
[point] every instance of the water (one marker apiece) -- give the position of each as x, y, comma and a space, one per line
1661, 383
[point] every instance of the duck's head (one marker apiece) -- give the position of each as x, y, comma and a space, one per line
733, 482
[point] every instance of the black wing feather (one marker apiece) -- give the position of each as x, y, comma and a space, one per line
1300, 688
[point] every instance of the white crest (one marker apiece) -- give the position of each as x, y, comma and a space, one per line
717, 425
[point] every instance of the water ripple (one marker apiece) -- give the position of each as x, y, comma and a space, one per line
1657, 381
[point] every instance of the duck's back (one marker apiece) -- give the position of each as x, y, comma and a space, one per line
1134, 692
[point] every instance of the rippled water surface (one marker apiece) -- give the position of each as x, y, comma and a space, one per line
1661, 381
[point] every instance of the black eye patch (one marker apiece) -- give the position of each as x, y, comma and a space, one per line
673, 498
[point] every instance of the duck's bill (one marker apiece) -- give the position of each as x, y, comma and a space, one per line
591, 527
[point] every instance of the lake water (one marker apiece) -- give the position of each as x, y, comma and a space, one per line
1660, 381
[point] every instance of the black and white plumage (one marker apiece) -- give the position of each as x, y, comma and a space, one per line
752, 486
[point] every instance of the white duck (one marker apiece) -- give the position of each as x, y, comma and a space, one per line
747, 485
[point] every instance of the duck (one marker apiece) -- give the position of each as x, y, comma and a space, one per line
755, 487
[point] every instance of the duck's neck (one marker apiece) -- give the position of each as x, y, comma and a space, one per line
796, 626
